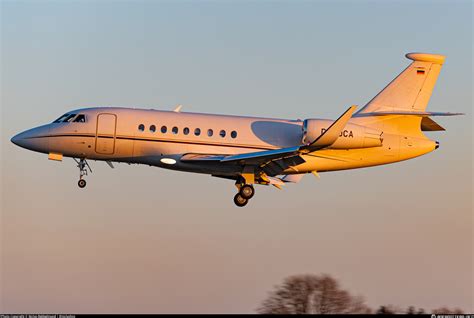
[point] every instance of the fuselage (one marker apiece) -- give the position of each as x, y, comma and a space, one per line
161, 138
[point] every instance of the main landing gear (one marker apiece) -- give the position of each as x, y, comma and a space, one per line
83, 166
246, 192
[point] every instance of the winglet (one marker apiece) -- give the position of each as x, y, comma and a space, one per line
331, 134
178, 108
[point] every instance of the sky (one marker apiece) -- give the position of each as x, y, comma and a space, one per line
148, 240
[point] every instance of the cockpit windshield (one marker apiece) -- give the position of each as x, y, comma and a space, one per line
69, 118
60, 119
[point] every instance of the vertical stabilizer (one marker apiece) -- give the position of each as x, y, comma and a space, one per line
411, 90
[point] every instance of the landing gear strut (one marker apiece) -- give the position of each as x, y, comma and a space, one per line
246, 192
83, 166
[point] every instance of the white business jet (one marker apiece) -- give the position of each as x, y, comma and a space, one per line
252, 150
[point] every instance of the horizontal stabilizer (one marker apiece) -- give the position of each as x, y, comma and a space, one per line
407, 113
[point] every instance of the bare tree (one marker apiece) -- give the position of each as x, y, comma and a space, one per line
384, 310
311, 294
447, 311
420, 311
412, 311
389, 310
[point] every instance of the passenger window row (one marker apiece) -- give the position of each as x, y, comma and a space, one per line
186, 131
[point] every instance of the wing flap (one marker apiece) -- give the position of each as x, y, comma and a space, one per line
277, 166
292, 178
196, 157
272, 162
256, 157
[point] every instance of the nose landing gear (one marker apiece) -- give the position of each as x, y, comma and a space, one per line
81, 183
83, 166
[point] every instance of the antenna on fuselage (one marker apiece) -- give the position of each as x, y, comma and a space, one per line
178, 108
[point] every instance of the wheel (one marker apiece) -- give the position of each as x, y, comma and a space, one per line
240, 201
81, 183
247, 191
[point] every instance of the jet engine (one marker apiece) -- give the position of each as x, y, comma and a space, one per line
351, 137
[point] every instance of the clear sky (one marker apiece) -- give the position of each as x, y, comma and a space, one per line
143, 239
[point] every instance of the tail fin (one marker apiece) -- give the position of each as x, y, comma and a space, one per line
411, 90
400, 106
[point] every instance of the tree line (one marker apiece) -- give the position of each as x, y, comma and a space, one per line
322, 294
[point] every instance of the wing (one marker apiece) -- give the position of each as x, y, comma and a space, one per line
274, 162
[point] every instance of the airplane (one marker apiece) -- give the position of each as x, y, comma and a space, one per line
252, 150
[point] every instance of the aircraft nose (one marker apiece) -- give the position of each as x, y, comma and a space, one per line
36, 139
20, 139
16, 139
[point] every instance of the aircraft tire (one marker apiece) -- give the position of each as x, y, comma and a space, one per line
247, 191
240, 201
81, 183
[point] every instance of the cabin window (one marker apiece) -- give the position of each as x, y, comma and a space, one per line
164, 129
141, 127
197, 131
186, 130
81, 118
174, 130
153, 128
222, 133
233, 134
210, 132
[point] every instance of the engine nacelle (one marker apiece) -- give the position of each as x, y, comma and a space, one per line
352, 136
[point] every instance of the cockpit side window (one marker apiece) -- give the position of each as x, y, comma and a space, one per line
81, 118
69, 118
